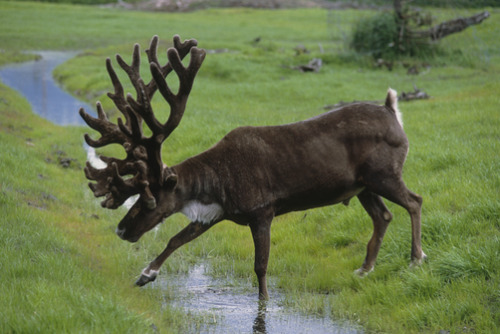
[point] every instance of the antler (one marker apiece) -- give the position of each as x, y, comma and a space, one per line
143, 160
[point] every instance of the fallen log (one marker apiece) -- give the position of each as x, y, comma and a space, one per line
417, 94
450, 27
313, 66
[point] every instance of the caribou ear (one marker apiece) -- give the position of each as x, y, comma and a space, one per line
170, 180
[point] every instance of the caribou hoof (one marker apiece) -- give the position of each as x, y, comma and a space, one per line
146, 278
418, 262
362, 272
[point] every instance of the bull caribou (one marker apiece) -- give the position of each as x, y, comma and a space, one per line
251, 175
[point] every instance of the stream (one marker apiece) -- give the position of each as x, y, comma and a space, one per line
34, 80
227, 307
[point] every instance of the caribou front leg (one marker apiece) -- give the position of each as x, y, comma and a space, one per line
190, 232
261, 233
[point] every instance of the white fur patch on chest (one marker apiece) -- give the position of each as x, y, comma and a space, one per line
202, 213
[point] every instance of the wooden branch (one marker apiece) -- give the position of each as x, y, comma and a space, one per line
450, 27
417, 94
313, 66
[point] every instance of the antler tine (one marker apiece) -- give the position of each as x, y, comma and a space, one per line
110, 133
186, 76
133, 72
118, 97
182, 48
142, 105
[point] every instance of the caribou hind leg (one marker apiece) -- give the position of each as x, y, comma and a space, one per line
413, 204
394, 189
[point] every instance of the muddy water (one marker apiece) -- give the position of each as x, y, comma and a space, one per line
233, 307
224, 306
34, 80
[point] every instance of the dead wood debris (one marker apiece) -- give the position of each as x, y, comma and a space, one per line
451, 27
313, 66
417, 94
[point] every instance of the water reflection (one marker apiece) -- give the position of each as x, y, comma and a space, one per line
34, 80
234, 307
259, 324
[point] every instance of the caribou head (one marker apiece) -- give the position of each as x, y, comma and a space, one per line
142, 171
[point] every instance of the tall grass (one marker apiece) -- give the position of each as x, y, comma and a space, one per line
453, 163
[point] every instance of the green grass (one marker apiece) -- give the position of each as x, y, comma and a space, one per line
58, 241
59, 255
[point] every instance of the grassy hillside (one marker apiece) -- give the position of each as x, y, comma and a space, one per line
64, 270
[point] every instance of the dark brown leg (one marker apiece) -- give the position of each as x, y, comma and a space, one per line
396, 191
261, 233
414, 208
190, 232
381, 217
413, 204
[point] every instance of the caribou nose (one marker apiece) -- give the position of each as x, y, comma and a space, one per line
120, 232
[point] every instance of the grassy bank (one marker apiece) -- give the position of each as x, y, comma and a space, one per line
64, 270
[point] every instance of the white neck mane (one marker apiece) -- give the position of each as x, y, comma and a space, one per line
202, 213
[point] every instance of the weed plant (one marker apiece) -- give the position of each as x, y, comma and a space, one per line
379, 37
64, 270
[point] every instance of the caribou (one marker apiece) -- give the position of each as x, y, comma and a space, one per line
251, 175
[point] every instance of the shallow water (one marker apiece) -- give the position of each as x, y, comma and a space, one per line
233, 307
34, 80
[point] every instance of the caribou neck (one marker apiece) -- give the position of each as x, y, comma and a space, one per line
199, 186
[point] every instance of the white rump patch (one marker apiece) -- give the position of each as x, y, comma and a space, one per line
202, 213
393, 97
